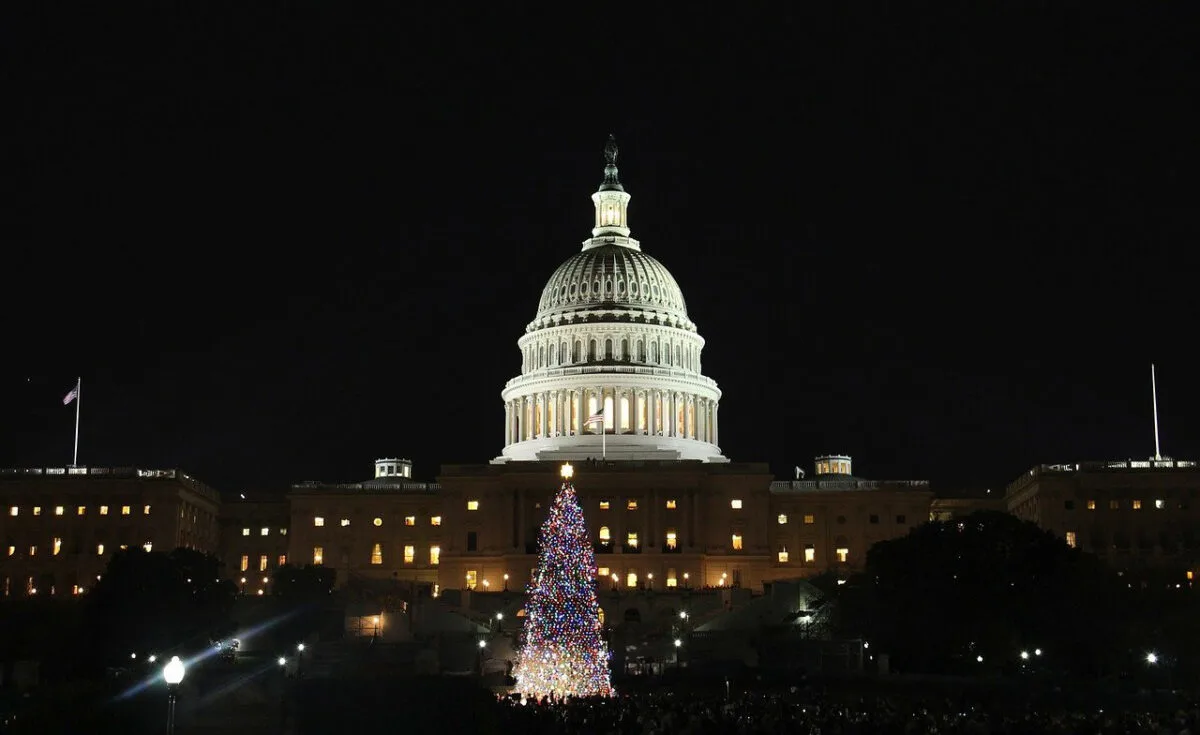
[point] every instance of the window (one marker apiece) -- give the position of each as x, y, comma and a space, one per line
631, 505
603, 505
245, 531
671, 505
264, 531
245, 562
1114, 505
783, 555
345, 522
33, 550
410, 553
472, 540
631, 539
435, 520
672, 540
318, 555
736, 504
318, 521
1091, 505
125, 510
145, 510
810, 553
843, 554
37, 510
631, 579
80, 510
472, 505
808, 519
873, 518
672, 581
282, 559
58, 510
472, 578
435, 555
1159, 504
410, 520
1137, 505
283, 532
1068, 505
262, 563
602, 572
104, 510
1071, 539
377, 554
605, 535
57, 546
13, 550
99, 550
148, 546
782, 519
901, 519
736, 541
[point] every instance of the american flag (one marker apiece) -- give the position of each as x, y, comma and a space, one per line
596, 418
71, 395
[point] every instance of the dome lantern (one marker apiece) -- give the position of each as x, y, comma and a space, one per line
611, 202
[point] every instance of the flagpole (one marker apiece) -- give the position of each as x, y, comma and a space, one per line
78, 400
603, 442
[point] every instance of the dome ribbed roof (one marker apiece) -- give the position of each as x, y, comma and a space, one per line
608, 277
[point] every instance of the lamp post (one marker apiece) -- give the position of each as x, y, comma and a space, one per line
299, 659
506, 581
172, 674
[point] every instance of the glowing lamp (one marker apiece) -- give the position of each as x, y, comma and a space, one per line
173, 671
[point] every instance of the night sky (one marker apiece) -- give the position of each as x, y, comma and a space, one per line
281, 240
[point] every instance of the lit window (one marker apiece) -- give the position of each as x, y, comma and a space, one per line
12, 549
808, 519
631, 505
282, 559
671, 580
145, 510
631, 539
1071, 539
104, 510
631, 579
671, 505
318, 521
377, 554
605, 535
410, 552
599, 614
672, 540
377, 522
736, 540
245, 562
603, 572
283, 532
1137, 505
37, 510
472, 505
345, 522
262, 563
1114, 505
80, 510
843, 554
58, 510
472, 578
57, 546
810, 553
782, 518
264, 531
783, 555
33, 550
318, 555
125, 510
1159, 504
736, 504
1091, 505
99, 550
435, 555
410, 520
435, 520
245, 531
148, 546
603, 505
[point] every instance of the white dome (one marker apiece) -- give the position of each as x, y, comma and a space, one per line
611, 345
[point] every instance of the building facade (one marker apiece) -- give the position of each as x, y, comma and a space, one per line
60, 524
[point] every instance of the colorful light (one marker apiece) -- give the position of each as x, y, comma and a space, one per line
562, 652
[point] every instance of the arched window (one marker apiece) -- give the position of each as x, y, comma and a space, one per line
591, 350
605, 535
641, 351
654, 352
562, 353
608, 355
541, 359
577, 351
625, 350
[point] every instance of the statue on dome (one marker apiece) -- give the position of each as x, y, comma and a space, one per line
610, 150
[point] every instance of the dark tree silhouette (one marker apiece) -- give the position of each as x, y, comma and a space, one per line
304, 597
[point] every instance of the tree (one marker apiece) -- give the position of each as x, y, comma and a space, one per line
562, 651
988, 586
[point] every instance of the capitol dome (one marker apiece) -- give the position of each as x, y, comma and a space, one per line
611, 361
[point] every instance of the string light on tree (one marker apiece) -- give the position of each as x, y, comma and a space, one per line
562, 651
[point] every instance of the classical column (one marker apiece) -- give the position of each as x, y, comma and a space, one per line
520, 406
545, 418
716, 427
507, 423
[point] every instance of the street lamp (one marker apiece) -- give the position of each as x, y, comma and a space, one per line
650, 580
506, 581
172, 674
687, 584
1152, 658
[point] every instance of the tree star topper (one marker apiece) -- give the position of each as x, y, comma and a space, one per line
567, 471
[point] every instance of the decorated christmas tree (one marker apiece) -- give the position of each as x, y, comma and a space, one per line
562, 652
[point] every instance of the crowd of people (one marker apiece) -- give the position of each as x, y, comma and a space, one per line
805, 711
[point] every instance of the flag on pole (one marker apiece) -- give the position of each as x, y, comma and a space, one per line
71, 395
596, 418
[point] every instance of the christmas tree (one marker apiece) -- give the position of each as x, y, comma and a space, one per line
562, 652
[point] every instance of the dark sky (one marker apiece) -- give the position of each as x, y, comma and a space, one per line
281, 240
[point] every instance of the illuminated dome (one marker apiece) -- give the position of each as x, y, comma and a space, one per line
611, 345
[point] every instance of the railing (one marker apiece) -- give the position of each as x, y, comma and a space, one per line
611, 370
801, 485
85, 471
409, 486
1120, 464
